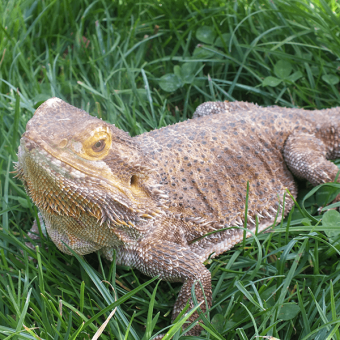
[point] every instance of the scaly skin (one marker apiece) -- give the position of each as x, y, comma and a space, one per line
152, 197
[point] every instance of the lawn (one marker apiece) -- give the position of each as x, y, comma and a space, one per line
144, 65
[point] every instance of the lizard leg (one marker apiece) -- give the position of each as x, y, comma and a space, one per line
174, 263
306, 157
33, 233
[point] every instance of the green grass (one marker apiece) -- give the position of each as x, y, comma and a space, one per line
144, 65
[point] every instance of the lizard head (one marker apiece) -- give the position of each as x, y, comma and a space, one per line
73, 163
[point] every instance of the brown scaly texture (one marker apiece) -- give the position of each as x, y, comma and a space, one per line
153, 197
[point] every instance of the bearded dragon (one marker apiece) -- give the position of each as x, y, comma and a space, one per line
168, 199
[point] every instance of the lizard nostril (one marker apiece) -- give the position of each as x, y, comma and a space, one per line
63, 143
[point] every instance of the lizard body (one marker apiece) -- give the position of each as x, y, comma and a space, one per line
152, 198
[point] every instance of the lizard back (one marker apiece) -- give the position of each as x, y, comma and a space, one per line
204, 165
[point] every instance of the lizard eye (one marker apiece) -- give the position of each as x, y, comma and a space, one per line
98, 146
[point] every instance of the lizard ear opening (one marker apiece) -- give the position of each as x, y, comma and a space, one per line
135, 186
133, 180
